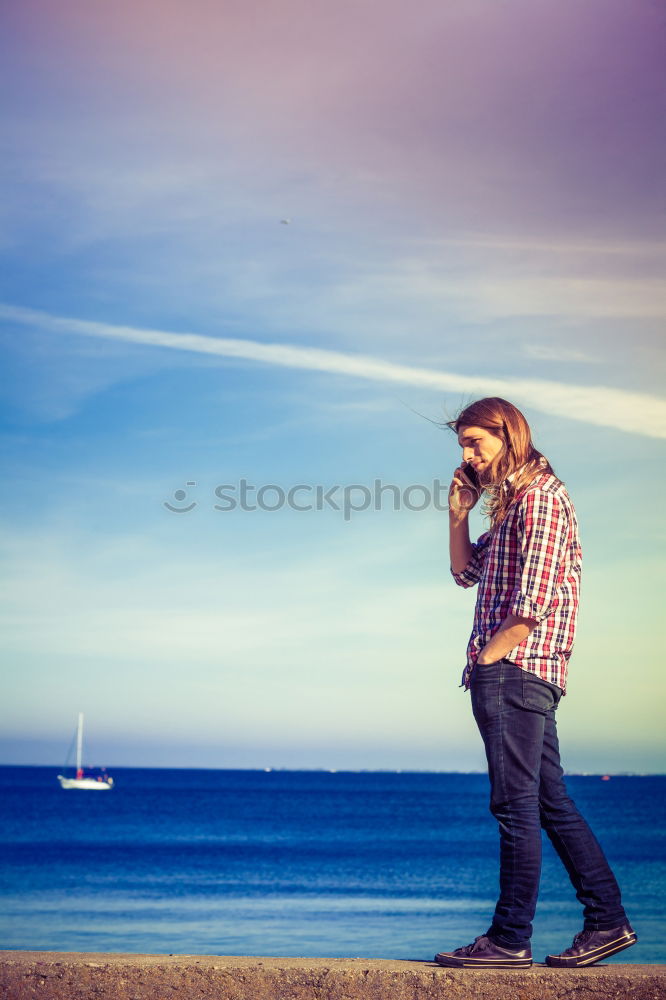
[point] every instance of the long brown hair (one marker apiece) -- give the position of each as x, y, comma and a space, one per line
518, 458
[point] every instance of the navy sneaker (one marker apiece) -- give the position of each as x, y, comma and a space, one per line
485, 954
592, 946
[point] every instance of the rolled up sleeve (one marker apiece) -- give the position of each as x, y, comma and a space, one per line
543, 527
471, 574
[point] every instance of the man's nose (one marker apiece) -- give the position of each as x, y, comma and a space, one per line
467, 454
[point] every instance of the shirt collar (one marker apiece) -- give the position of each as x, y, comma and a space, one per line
510, 479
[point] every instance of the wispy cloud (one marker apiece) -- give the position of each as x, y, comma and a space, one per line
576, 297
497, 294
603, 406
561, 247
552, 352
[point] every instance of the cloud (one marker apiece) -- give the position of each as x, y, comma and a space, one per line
609, 248
552, 352
603, 406
576, 297
504, 294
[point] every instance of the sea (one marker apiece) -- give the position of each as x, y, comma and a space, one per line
310, 863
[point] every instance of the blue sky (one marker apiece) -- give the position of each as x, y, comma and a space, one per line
468, 214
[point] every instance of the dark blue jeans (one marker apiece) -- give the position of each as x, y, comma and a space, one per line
515, 713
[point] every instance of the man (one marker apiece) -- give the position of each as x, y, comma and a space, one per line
527, 568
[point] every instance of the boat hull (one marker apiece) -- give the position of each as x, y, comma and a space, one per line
85, 784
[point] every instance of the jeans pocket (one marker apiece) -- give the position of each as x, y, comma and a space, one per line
539, 695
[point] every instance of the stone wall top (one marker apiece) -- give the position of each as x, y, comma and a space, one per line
67, 976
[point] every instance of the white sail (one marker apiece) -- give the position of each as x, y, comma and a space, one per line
79, 746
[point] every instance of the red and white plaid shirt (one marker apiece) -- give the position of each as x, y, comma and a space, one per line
529, 567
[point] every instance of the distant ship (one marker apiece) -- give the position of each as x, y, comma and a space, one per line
102, 783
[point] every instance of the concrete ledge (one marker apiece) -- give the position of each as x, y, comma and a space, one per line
25, 975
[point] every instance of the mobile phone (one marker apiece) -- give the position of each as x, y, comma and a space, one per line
471, 475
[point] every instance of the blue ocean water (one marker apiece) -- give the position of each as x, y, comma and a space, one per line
385, 865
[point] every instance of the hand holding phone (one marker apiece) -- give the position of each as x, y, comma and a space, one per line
471, 475
465, 489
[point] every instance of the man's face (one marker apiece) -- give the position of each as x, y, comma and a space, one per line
480, 446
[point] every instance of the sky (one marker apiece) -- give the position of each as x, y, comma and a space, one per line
280, 245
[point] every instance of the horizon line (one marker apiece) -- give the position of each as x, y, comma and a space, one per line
335, 770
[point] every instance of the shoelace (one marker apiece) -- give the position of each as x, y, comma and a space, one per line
581, 938
471, 947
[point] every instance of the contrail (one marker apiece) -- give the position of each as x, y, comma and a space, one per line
604, 406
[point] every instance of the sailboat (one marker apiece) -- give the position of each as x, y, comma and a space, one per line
90, 783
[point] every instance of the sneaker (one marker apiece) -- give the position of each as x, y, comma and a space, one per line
485, 954
592, 946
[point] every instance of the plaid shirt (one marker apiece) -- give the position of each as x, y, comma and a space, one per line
529, 567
